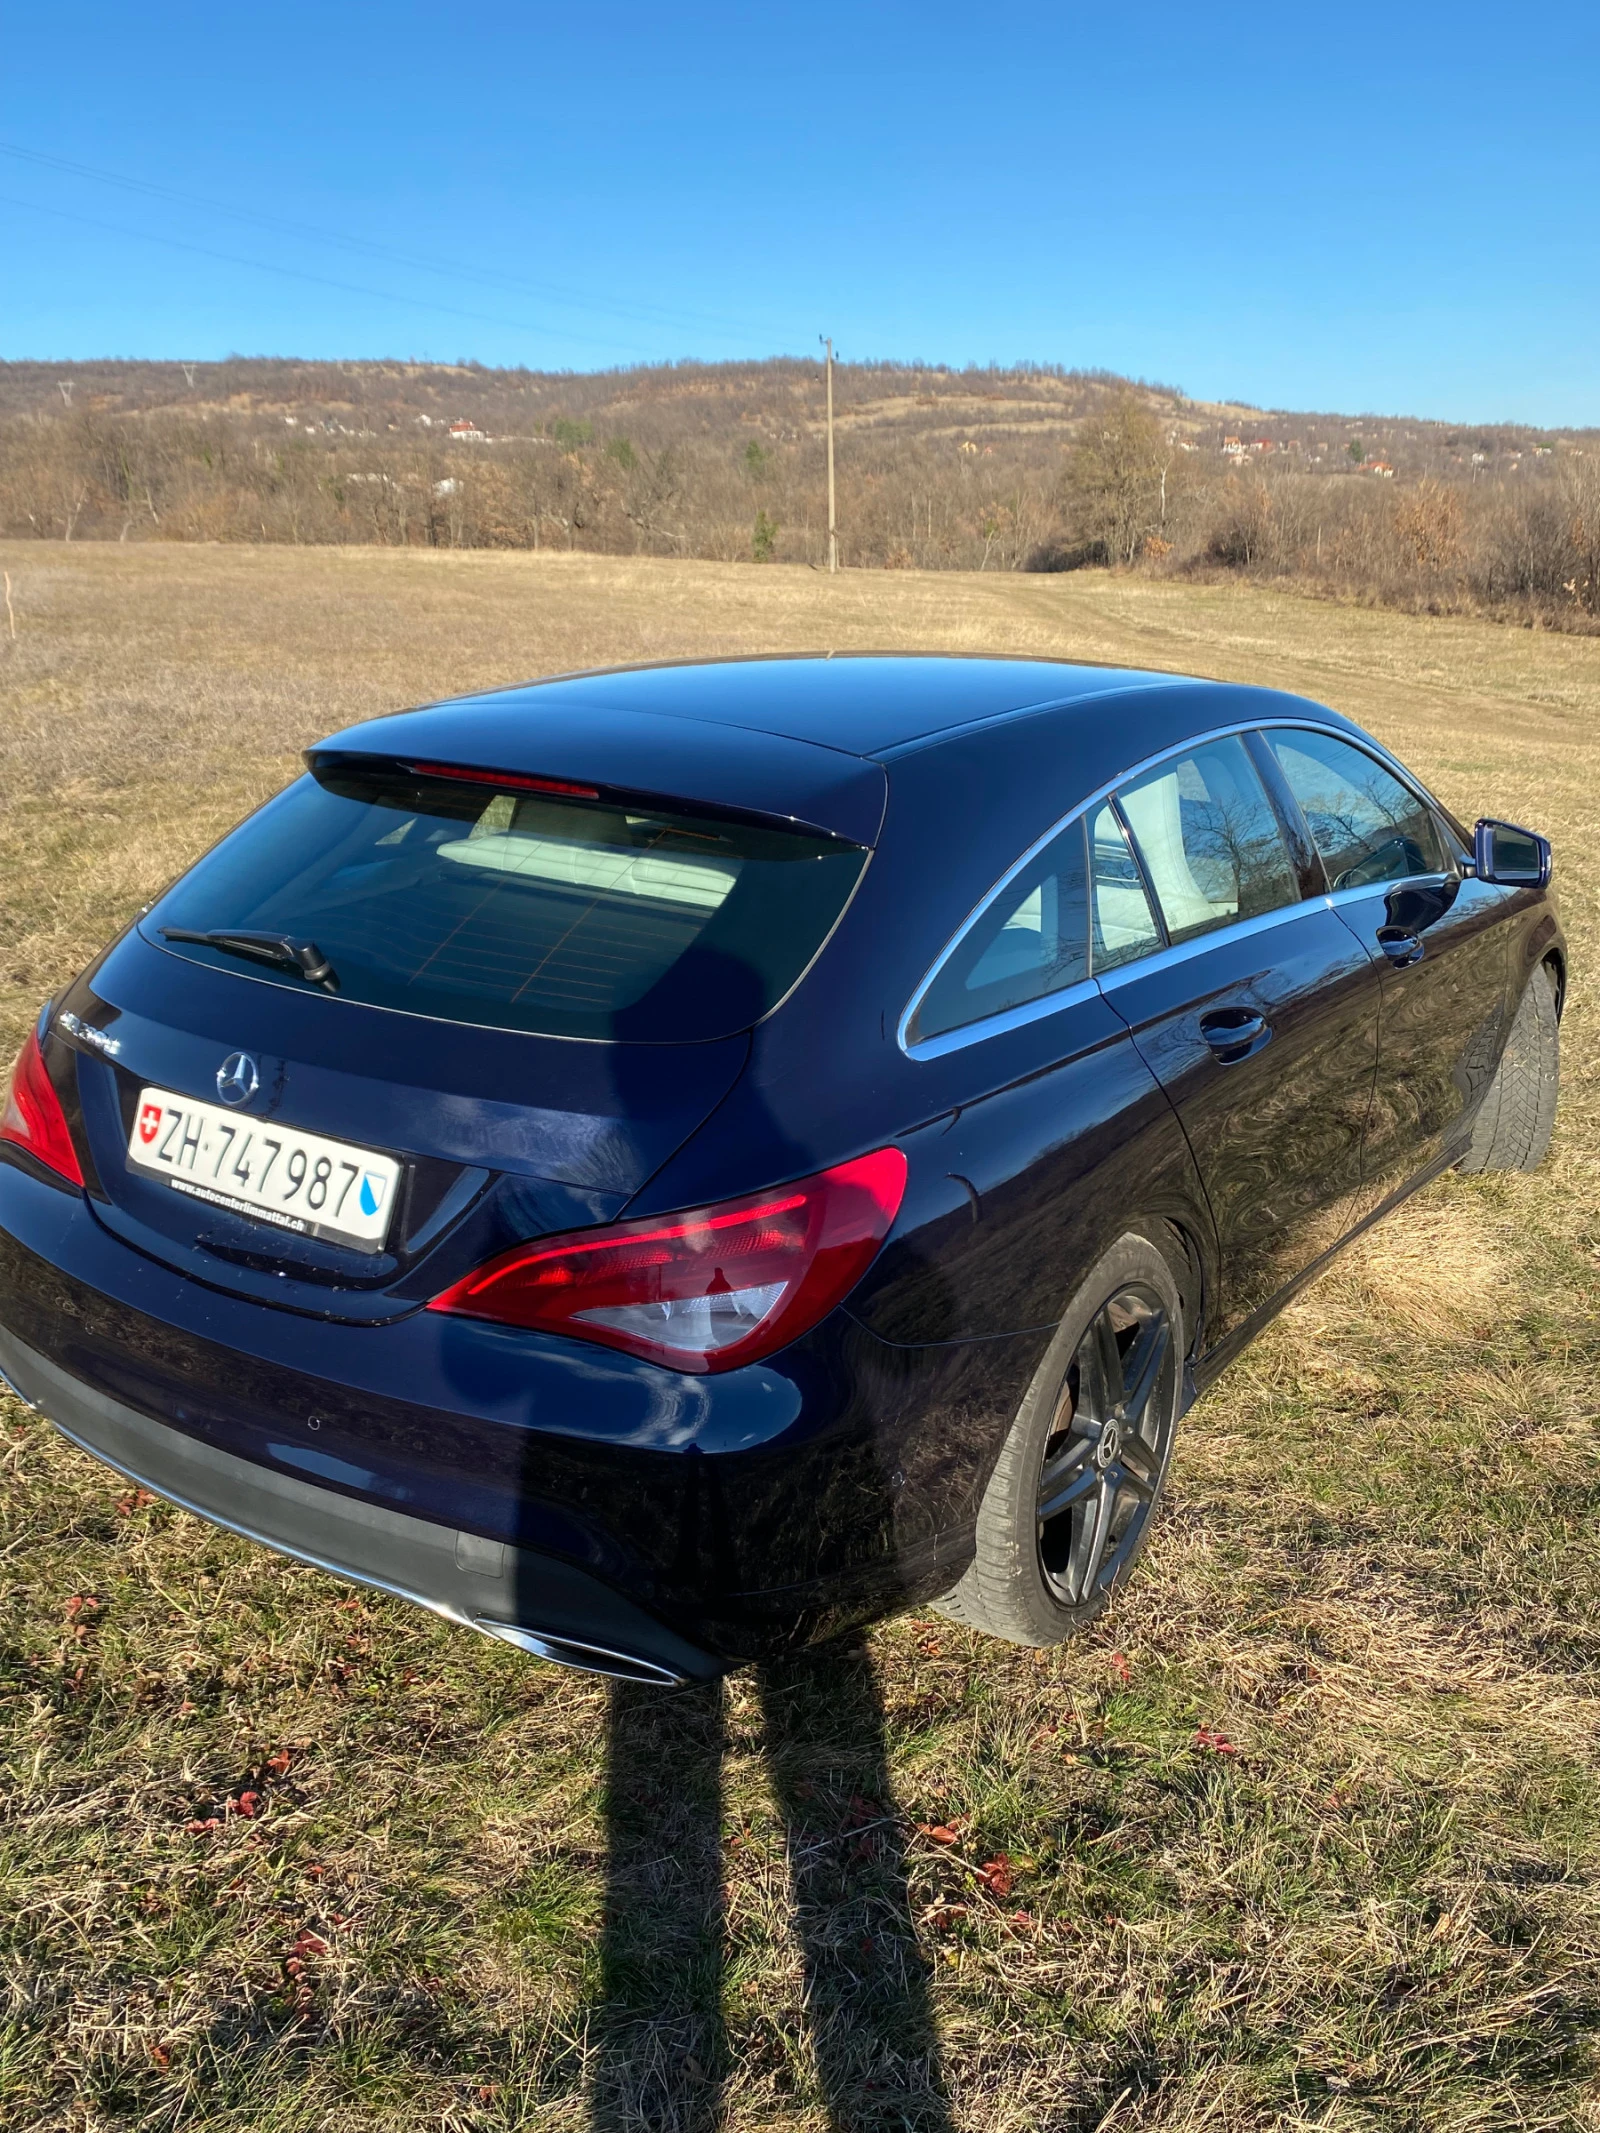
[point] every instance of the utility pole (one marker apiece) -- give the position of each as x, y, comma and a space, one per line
833, 530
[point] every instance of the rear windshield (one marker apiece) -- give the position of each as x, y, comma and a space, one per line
564, 916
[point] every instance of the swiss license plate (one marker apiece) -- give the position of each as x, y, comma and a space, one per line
295, 1181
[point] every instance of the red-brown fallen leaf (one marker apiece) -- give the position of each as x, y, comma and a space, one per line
308, 1943
199, 1828
315, 1870
945, 1832
931, 1648
486, 2093
135, 1500
81, 1603
1121, 1668
946, 1915
279, 1762
294, 1966
161, 2056
1022, 1918
997, 1874
1214, 1743
348, 1606
248, 1804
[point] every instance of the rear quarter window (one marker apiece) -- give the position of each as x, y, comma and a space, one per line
1031, 941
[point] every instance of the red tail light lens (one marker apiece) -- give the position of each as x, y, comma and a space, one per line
702, 1291
33, 1117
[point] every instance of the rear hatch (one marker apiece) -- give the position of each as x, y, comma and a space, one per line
420, 1007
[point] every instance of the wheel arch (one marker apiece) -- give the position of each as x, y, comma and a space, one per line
1182, 1248
1555, 961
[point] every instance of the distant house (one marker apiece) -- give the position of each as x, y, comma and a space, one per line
468, 433
1381, 468
1263, 444
1233, 448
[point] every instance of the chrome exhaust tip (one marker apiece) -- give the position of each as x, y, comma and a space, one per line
583, 1658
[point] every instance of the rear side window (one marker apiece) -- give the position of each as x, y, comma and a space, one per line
1368, 827
568, 917
1209, 840
1032, 941
1124, 925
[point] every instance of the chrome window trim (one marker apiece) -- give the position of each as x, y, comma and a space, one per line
1182, 951
1018, 1017
1028, 1011
1338, 898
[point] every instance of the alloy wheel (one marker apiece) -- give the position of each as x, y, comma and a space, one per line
1108, 1445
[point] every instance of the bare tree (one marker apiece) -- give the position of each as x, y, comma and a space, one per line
1580, 494
1115, 489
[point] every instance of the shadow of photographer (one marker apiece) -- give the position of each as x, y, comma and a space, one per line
662, 2047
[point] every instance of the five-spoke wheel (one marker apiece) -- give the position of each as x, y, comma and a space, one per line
1107, 1446
1069, 1504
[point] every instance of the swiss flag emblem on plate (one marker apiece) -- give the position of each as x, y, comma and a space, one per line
149, 1122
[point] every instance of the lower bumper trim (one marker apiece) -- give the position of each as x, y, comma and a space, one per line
544, 1606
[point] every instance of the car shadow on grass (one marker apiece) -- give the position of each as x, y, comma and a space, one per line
674, 2014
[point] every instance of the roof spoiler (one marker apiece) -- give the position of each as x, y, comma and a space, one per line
628, 755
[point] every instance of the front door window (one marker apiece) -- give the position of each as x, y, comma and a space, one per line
1368, 827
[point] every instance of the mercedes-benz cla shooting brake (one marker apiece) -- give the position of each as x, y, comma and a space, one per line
666, 1166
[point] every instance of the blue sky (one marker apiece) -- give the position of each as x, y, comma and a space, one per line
1364, 209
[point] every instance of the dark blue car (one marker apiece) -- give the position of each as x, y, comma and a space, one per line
670, 1165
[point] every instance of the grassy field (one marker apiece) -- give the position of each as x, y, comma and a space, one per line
1308, 1835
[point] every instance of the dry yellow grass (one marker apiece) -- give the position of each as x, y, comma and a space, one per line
532, 1903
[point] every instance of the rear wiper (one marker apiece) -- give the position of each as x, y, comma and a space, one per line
279, 948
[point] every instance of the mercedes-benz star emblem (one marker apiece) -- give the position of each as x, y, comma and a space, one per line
237, 1079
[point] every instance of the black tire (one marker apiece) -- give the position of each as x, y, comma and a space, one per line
1513, 1127
1037, 1576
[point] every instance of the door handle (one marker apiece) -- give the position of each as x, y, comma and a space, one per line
1235, 1032
1401, 945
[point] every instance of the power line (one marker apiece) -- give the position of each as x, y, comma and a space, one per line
322, 281
392, 255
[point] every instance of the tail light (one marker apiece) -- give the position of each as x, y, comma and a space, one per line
702, 1291
33, 1117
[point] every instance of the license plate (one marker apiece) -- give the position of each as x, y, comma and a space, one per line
293, 1181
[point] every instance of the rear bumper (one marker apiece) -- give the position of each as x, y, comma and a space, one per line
742, 1515
543, 1605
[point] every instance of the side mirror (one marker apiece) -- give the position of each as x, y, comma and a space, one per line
1516, 858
